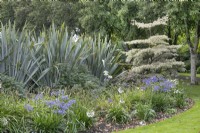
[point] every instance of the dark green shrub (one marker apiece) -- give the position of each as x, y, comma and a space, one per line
10, 84
78, 76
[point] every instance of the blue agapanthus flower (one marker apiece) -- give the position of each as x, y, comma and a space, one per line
60, 111
57, 93
110, 100
65, 97
28, 107
143, 88
156, 88
51, 103
39, 96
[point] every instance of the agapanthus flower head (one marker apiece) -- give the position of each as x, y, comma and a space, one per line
177, 91
142, 123
167, 85
156, 88
28, 107
147, 81
121, 101
151, 80
39, 96
175, 81
110, 100
65, 106
90, 113
154, 79
120, 90
110, 77
54, 93
103, 61
65, 97
105, 73
61, 112
57, 93
51, 103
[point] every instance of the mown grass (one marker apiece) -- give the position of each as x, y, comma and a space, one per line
188, 74
187, 122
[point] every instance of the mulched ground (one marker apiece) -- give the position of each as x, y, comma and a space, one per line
103, 127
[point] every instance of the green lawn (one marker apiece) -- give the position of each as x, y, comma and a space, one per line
187, 122
188, 74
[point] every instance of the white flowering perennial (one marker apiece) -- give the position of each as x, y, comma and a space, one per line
105, 73
109, 77
175, 81
142, 123
120, 90
75, 38
121, 101
159, 21
103, 61
177, 92
90, 113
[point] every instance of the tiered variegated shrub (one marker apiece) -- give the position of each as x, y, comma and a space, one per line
153, 55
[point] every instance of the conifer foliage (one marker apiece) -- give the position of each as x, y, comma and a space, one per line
153, 55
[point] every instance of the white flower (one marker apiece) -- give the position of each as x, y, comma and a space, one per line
142, 123
109, 76
105, 73
75, 38
90, 113
175, 81
103, 63
177, 91
120, 90
121, 101
4, 121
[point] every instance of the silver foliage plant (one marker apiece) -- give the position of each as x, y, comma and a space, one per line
36, 60
155, 55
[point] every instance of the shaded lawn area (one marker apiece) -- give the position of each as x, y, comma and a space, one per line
188, 74
187, 122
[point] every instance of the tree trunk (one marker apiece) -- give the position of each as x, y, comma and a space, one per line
175, 38
169, 33
193, 60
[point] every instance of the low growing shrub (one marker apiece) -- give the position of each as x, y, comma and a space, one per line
10, 84
144, 112
118, 114
161, 102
